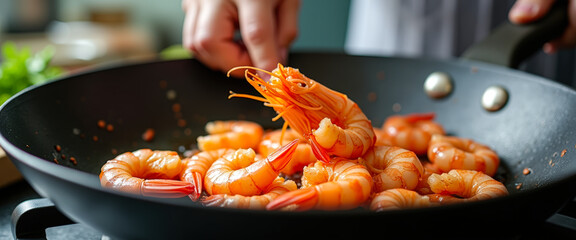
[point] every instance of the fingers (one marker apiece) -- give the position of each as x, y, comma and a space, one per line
214, 37
191, 12
525, 11
258, 28
267, 29
287, 26
568, 38
209, 29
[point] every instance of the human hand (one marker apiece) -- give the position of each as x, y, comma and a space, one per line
525, 11
267, 27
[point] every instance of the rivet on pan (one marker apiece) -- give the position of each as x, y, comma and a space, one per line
438, 85
494, 98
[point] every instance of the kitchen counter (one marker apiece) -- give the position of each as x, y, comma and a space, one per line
8, 172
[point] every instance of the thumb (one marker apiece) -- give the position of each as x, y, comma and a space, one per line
525, 11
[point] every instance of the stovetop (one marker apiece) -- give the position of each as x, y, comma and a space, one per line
557, 227
21, 191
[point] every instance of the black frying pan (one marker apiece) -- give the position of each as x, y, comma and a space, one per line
532, 130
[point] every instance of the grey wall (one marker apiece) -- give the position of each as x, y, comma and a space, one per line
322, 25
322, 22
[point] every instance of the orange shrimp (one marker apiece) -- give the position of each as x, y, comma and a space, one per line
412, 131
146, 172
242, 173
447, 153
302, 157
399, 198
329, 120
393, 167
230, 134
467, 185
340, 184
195, 168
423, 188
278, 187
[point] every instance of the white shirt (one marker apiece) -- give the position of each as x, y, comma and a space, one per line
439, 29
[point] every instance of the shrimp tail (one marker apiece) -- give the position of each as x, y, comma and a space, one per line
281, 157
166, 188
303, 199
196, 180
319, 152
415, 117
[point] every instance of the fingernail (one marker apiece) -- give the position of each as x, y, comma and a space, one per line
523, 9
264, 76
284, 55
549, 48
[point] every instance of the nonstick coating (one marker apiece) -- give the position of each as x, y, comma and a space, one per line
176, 98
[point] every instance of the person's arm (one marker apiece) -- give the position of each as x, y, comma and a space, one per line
267, 27
525, 11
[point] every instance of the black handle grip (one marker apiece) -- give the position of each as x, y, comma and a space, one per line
31, 218
510, 44
563, 223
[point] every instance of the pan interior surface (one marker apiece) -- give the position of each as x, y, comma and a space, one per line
56, 128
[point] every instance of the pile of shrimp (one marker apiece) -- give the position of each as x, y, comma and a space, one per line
327, 156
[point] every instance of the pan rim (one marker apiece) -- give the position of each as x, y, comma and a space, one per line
84, 178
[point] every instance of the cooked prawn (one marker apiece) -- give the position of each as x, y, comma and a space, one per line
393, 167
302, 157
340, 184
230, 134
399, 198
447, 153
423, 188
278, 187
195, 168
466, 185
412, 131
146, 172
329, 120
240, 172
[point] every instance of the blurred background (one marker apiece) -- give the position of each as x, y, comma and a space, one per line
88, 32
94, 31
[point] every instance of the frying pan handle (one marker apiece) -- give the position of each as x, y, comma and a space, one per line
31, 218
564, 220
510, 44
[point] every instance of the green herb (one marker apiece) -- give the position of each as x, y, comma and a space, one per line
20, 68
175, 52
